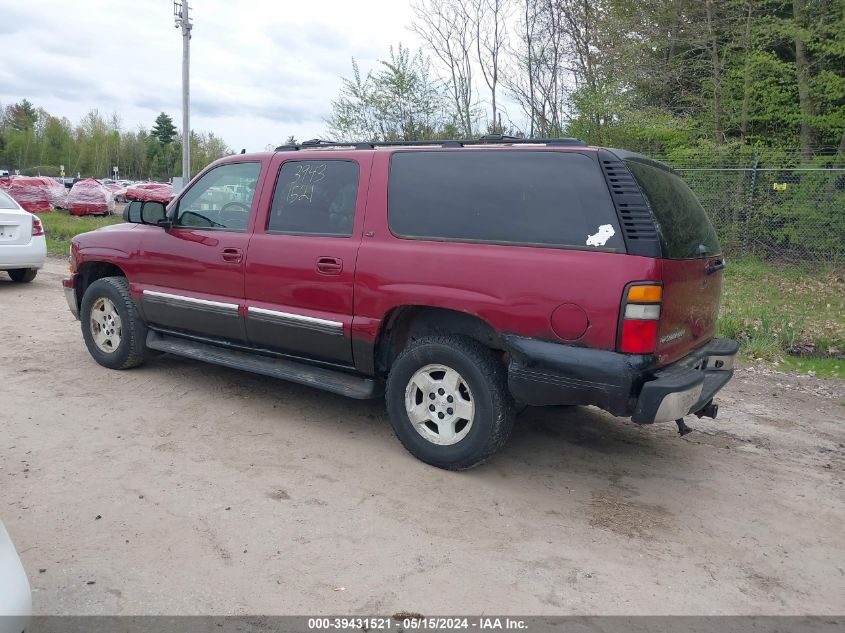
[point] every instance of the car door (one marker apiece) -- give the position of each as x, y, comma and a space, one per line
192, 277
300, 264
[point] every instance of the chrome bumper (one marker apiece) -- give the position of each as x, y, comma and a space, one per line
70, 296
688, 385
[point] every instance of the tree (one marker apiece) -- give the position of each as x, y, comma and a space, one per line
57, 142
22, 116
489, 18
447, 29
535, 78
34, 141
163, 129
398, 101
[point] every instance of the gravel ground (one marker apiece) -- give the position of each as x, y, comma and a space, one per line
183, 488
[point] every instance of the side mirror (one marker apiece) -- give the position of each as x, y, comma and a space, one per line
154, 213
132, 212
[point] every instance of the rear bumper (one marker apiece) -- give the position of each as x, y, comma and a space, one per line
30, 255
542, 373
688, 385
69, 286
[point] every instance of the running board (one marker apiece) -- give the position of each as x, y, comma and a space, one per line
345, 384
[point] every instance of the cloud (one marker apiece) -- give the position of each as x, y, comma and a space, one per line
260, 69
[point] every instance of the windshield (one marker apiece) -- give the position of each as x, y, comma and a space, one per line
682, 224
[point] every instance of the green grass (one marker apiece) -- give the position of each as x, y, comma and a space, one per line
60, 227
791, 316
824, 367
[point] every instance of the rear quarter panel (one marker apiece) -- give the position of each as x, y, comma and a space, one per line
513, 288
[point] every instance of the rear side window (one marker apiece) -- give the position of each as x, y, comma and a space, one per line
502, 197
683, 226
315, 197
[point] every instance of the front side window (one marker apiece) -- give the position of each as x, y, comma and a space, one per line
315, 197
519, 197
221, 199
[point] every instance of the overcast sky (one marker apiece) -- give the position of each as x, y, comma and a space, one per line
260, 70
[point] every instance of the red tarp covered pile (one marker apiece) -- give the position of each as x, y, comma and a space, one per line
90, 196
118, 192
33, 194
56, 191
157, 191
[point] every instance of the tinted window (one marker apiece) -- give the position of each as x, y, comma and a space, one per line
221, 199
501, 196
684, 229
315, 197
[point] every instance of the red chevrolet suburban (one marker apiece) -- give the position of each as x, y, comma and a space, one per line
461, 280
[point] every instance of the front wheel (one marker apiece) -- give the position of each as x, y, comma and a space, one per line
23, 275
114, 333
448, 401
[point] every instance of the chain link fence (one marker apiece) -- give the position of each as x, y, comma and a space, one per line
773, 211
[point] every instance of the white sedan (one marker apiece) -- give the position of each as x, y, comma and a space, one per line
15, 595
23, 248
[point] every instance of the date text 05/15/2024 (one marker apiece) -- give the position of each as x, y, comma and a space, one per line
416, 623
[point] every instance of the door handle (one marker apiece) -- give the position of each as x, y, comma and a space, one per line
329, 265
233, 255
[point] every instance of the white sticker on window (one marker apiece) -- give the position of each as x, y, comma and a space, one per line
600, 239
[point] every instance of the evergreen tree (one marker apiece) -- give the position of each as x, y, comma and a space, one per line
163, 129
22, 116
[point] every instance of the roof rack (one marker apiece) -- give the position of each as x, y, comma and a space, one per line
484, 140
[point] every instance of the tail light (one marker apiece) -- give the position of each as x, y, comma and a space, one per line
640, 317
37, 227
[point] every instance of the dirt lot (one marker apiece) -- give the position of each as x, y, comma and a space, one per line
183, 488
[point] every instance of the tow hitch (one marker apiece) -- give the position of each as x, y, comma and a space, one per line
709, 410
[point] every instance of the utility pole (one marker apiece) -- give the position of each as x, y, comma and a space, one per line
183, 21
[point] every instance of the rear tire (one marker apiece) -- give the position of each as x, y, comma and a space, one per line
114, 333
448, 401
22, 275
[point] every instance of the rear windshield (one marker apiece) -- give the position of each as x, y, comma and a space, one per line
6, 201
525, 198
684, 229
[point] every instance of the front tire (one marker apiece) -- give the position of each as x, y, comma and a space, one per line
114, 333
448, 401
23, 275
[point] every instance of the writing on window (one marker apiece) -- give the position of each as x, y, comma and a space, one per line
315, 197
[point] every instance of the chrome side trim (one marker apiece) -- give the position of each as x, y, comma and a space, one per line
326, 326
181, 301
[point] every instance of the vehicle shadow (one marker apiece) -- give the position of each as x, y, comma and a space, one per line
545, 438
7, 284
